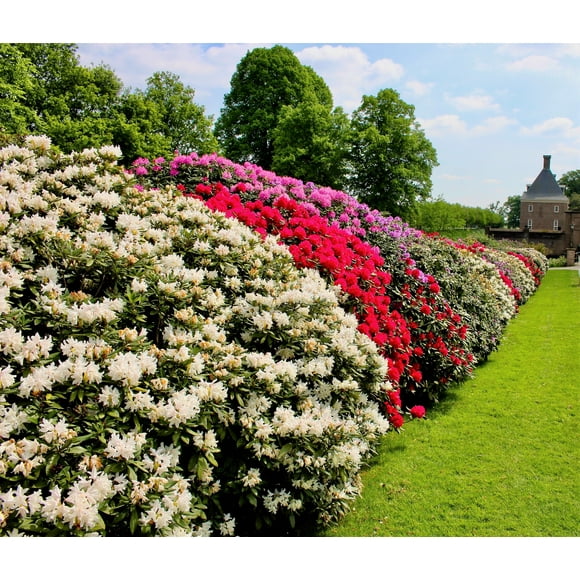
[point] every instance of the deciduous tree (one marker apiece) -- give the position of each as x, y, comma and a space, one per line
44, 89
571, 181
182, 120
511, 211
391, 158
310, 143
265, 80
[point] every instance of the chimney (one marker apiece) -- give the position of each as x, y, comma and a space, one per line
547, 161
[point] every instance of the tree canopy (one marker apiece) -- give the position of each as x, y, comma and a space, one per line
310, 143
183, 121
265, 80
571, 181
439, 215
44, 89
278, 114
390, 157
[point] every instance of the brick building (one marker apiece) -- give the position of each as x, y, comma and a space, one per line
545, 217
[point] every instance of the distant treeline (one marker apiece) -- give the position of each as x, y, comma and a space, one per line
439, 216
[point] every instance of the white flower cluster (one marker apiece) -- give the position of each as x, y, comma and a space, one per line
517, 271
487, 276
162, 365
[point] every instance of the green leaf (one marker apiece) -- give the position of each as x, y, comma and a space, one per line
133, 521
286, 449
50, 464
76, 450
202, 467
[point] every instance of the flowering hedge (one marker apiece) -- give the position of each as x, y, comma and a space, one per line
164, 370
422, 337
436, 340
196, 347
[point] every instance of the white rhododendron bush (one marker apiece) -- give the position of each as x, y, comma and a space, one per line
164, 370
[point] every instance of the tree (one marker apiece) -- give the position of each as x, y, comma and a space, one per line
310, 143
74, 105
439, 216
391, 159
138, 130
180, 119
15, 83
44, 89
510, 211
265, 80
571, 181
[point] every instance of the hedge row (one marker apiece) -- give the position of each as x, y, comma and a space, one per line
195, 347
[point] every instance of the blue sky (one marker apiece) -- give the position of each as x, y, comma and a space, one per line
494, 88
490, 110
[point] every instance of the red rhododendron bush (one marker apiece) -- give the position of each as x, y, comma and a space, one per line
196, 347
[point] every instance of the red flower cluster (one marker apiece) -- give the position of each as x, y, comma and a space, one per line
393, 409
535, 270
436, 330
417, 412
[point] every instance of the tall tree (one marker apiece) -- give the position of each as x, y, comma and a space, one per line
181, 119
511, 211
16, 82
75, 106
571, 181
310, 143
265, 80
44, 89
391, 159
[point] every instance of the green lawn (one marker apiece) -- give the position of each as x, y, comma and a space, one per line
500, 455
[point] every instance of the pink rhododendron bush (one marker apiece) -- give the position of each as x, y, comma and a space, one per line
164, 369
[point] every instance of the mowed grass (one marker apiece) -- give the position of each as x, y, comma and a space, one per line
499, 456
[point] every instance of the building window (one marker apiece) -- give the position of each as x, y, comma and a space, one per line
556, 225
530, 224
530, 208
556, 209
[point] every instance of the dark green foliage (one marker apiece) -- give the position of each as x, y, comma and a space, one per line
511, 211
310, 144
44, 90
571, 182
391, 158
266, 80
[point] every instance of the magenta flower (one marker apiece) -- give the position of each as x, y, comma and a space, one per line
417, 412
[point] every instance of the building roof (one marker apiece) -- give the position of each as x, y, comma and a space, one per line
545, 187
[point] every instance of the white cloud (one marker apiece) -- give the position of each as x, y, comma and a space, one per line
450, 177
349, 73
473, 102
562, 126
534, 63
208, 70
443, 125
492, 125
419, 89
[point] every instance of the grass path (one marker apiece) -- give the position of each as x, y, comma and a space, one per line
500, 455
